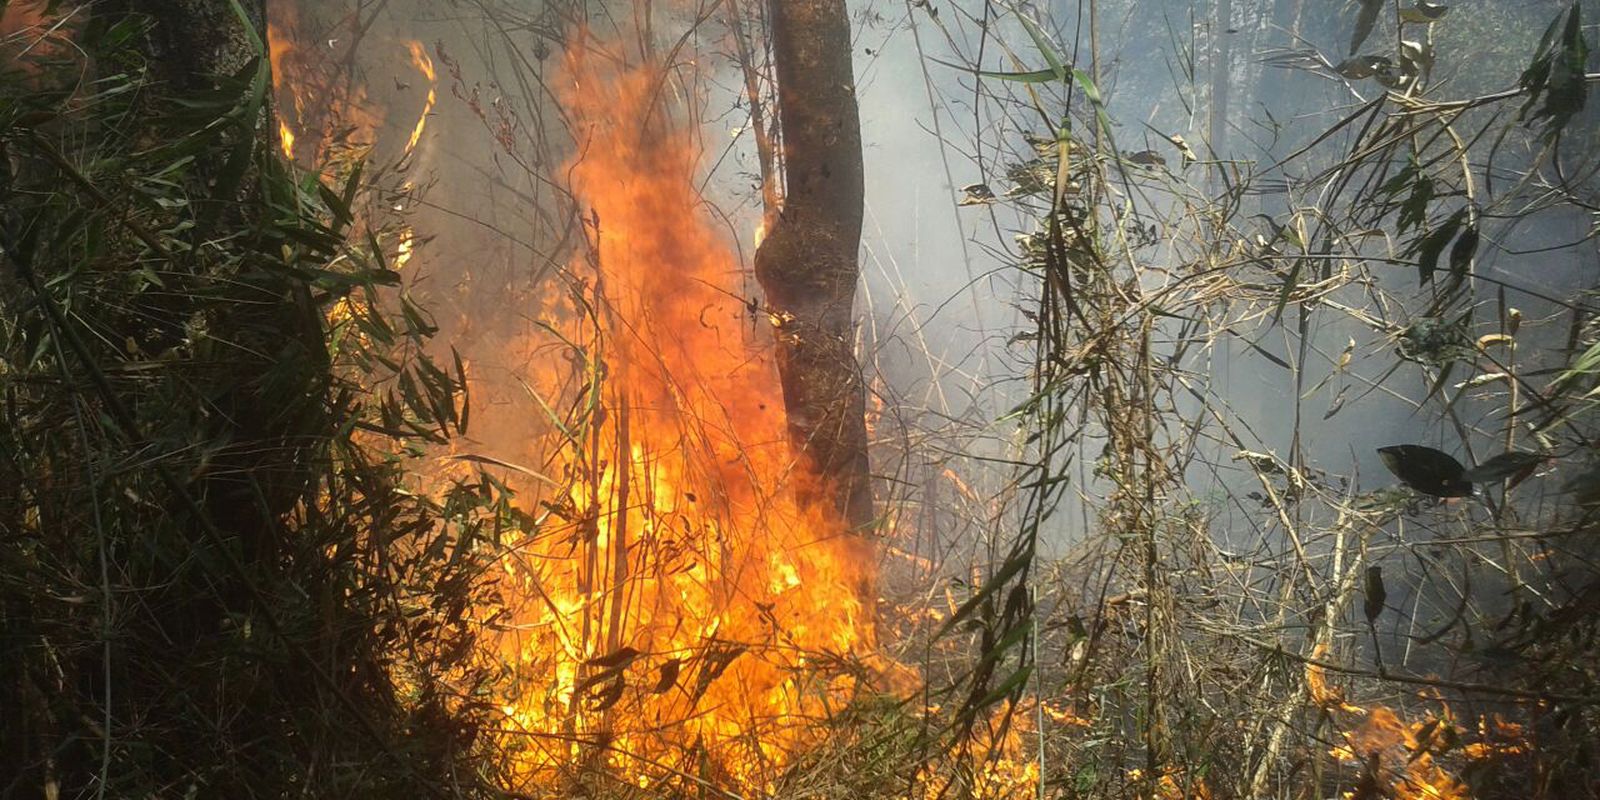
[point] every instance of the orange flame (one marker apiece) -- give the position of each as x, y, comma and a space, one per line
684, 607
286, 139
1404, 756
424, 64
323, 112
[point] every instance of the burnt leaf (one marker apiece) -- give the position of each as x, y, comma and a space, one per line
1362, 67
1375, 596
1461, 254
1503, 466
1430, 247
618, 658
1365, 19
668, 676
1556, 75
1414, 211
605, 695
1430, 471
1424, 12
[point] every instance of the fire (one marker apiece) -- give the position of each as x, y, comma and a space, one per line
324, 114
1322, 694
1404, 756
424, 64
403, 250
286, 139
1172, 785
683, 610
1404, 760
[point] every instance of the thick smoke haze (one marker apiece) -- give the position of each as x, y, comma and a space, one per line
941, 303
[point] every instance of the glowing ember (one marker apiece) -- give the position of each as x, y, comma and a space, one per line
683, 610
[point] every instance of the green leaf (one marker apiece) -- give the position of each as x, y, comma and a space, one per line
1042, 42
1036, 76
251, 34
1013, 683
225, 192
1290, 283
990, 587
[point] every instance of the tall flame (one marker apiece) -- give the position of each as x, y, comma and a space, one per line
424, 64
687, 605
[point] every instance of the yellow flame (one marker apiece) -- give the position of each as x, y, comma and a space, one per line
684, 603
424, 64
286, 139
402, 251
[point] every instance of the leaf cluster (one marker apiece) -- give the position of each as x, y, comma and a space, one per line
214, 579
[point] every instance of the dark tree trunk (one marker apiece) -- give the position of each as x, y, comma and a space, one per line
192, 40
807, 265
256, 481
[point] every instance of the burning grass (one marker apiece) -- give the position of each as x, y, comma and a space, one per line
679, 622
681, 608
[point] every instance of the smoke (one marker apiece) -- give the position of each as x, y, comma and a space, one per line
941, 302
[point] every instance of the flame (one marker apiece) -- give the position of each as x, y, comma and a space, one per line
1402, 759
403, 249
286, 139
1168, 786
324, 115
684, 611
1404, 756
424, 64
1322, 694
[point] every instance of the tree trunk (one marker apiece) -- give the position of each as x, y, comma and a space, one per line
807, 264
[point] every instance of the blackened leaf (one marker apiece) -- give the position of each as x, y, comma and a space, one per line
1461, 254
1376, 595
1415, 209
976, 194
1557, 74
1364, 22
1430, 247
1424, 737
1430, 471
607, 694
1424, 12
1338, 403
618, 658
1584, 488
668, 676
1361, 67
1503, 466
